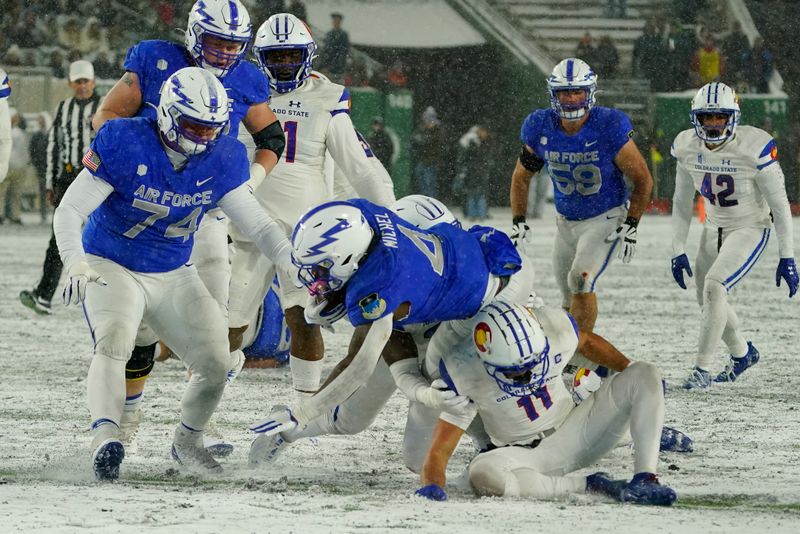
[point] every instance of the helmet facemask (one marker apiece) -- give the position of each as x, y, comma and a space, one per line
522, 380
572, 74
284, 33
715, 98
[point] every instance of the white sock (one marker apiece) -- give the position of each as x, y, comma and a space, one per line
105, 387
133, 402
306, 374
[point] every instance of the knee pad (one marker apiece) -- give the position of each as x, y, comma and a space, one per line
141, 362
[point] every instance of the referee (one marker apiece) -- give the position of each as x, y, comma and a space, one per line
68, 139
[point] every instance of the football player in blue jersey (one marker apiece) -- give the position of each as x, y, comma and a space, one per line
145, 188
586, 150
389, 274
217, 37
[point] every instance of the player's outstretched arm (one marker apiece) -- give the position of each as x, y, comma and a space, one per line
433, 478
123, 100
600, 351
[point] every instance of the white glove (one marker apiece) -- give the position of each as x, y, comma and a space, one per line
80, 275
320, 311
520, 232
626, 233
439, 397
280, 419
584, 384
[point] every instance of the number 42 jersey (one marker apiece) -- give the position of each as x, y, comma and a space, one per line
726, 175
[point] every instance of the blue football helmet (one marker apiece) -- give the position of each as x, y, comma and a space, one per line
572, 74
327, 244
223, 19
283, 32
715, 98
513, 347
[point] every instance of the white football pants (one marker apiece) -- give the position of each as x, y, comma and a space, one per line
631, 398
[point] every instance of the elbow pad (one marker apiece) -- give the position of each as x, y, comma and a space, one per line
530, 160
271, 138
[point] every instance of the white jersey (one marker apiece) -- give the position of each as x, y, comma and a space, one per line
726, 176
507, 419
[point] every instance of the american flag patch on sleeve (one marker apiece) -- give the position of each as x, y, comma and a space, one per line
91, 160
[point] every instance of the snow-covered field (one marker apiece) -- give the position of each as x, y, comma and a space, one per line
744, 475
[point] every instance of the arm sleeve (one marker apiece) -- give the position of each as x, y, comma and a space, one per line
770, 182
681, 210
247, 214
349, 155
5, 138
408, 377
83, 196
354, 376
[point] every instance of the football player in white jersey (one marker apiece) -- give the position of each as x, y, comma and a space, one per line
735, 169
5, 125
511, 371
315, 114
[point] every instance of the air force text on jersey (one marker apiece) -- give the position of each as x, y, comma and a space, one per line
177, 200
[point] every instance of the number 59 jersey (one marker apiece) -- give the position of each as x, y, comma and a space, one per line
297, 182
725, 176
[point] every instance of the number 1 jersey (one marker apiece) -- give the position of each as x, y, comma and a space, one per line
725, 176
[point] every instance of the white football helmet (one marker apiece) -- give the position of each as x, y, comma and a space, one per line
512, 347
327, 244
224, 19
284, 31
424, 211
193, 111
572, 73
713, 98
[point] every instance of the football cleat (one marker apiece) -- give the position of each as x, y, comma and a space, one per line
265, 450
214, 442
699, 379
673, 440
33, 301
129, 426
108, 452
188, 450
737, 366
645, 488
603, 484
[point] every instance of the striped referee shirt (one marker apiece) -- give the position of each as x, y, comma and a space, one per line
69, 138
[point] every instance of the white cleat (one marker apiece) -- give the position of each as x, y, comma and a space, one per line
265, 450
129, 426
107, 452
237, 359
214, 441
188, 450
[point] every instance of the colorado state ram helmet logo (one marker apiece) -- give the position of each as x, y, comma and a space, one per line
483, 337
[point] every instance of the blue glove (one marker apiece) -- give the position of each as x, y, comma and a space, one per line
787, 270
680, 264
432, 492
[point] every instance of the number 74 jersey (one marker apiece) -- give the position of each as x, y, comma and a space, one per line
725, 176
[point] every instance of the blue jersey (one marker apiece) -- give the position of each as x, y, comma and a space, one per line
155, 61
442, 273
147, 224
586, 182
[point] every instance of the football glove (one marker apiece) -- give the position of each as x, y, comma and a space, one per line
442, 398
626, 233
787, 270
432, 492
280, 419
584, 384
680, 264
322, 312
79, 276
520, 232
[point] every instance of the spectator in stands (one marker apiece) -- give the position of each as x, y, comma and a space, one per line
606, 58
358, 76
104, 68
298, 9
38, 153
708, 63
93, 38
13, 57
28, 32
686, 10
586, 49
57, 64
335, 48
647, 52
381, 143
396, 76
475, 169
616, 9
10, 194
735, 47
70, 35
759, 64
427, 145
681, 47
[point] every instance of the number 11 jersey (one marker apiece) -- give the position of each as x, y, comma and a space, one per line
725, 176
